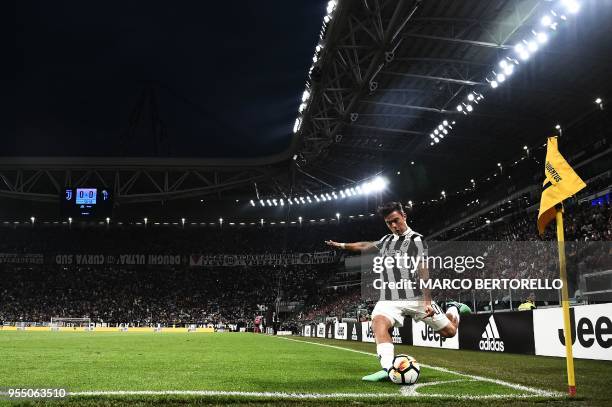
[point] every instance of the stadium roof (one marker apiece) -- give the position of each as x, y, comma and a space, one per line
385, 75
391, 72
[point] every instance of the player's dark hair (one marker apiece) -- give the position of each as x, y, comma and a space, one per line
385, 209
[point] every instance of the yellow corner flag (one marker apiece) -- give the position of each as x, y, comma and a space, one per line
564, 182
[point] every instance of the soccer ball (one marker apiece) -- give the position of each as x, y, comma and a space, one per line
405, 370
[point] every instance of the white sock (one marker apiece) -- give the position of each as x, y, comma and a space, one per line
454, 312
385, 354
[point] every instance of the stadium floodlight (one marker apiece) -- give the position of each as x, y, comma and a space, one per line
470, 97
329, 198
70, 220
305, 95
358, 190
431, 135
521, 51
440, 127
541, 37
220, 221
532, 46
494, 84
302, 200
469, 108
108, 220
500, 77
145, 221
599, 103
445, 123
509, 69
445, 132
300, 219
32, 219
261, 221
412, 162
459, 108
326, 19
182, 221
443, 193
431, 144
261, 201
571, 5
410, 203
290, 201
436, 132
317, 198
331, 5
436, 140
558, 127
525, 148
308, 199
499, 164
546, 20
379, 184
338, 216
296, 126
269, 203
282, 203
252, 202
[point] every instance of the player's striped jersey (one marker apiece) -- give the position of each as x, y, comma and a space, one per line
414, 246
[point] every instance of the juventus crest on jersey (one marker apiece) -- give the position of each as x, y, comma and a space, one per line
408, 245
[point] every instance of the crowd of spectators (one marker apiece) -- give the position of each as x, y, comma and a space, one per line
182, 294
583, 222
173, 239
150, 295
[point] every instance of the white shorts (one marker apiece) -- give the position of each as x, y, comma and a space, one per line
395, 311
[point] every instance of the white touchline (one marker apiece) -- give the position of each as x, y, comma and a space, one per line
281, 395
535, 391
412, 390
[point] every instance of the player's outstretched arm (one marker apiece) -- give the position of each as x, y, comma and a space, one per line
352, 247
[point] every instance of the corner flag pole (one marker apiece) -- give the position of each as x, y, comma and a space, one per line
569, 355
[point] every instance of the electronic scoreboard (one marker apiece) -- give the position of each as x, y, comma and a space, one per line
86, 202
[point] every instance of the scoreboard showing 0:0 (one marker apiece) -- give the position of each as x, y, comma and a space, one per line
86, 202
86, 196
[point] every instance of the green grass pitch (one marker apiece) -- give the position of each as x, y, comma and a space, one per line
181, 369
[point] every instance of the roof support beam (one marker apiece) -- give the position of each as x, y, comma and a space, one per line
435, 78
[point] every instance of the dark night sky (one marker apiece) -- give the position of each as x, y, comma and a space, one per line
228, 75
